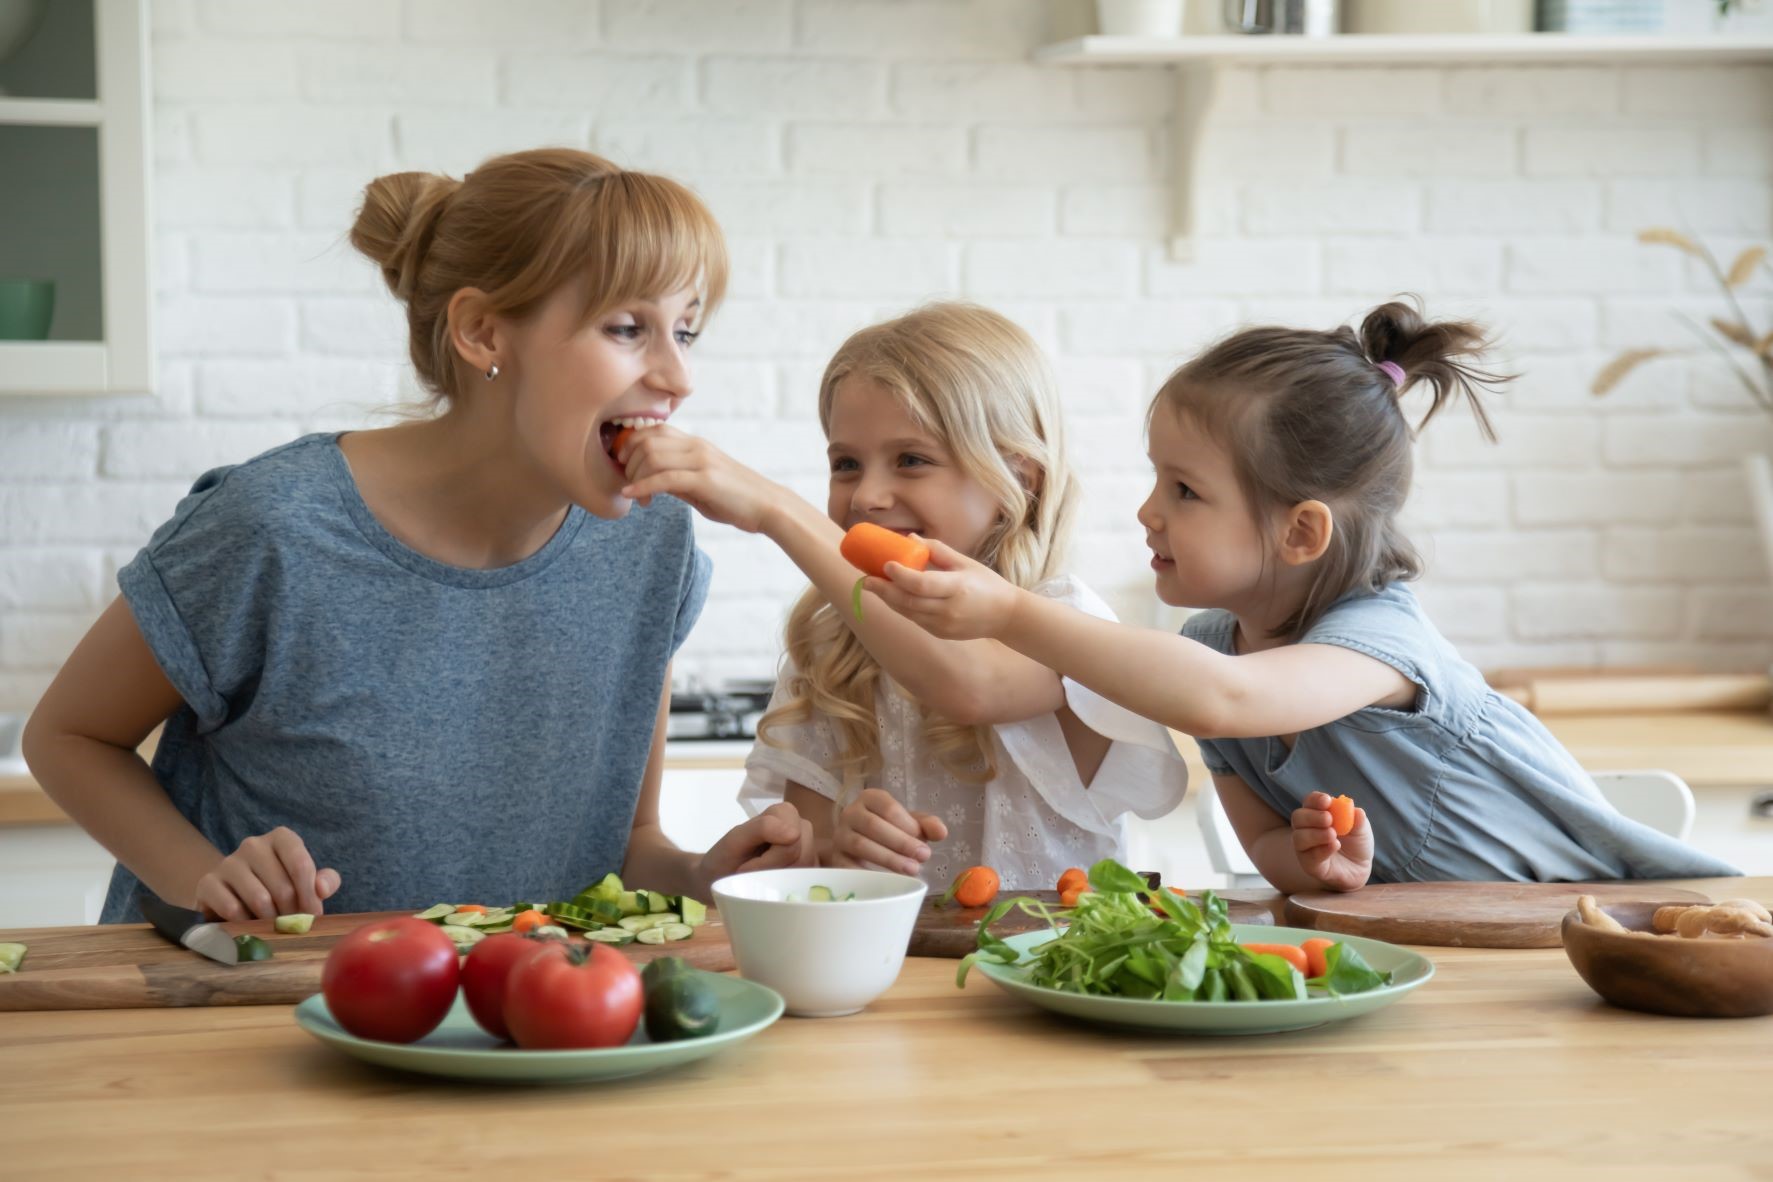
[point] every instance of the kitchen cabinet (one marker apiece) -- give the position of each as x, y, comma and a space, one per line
74, 110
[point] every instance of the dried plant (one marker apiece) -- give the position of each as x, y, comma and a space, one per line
1756, 378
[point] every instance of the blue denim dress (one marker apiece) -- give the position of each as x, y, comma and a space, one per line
1466, 785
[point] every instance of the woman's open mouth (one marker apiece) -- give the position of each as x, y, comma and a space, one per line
614, 433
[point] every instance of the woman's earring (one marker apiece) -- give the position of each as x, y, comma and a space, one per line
492, 371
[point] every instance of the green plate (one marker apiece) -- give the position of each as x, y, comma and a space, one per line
460, 1049
1222, 1017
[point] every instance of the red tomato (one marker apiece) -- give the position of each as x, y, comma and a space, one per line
569, 996
393, 980
487, 971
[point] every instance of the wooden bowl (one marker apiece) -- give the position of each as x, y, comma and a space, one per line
1706, 978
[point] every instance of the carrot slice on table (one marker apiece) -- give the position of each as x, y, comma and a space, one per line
470, 907
975, 886
528, 921
1075, 876
1342, 815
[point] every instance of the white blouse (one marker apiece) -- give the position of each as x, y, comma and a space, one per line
1031, 822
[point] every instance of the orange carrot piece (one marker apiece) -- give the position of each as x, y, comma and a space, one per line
528, 921
976, 886
1291, 953
470, 907
1073, 877
1068, 898
869, 548
1342, 815
622, 436
1317, 950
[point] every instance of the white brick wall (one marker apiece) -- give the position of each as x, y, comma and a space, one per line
866, 154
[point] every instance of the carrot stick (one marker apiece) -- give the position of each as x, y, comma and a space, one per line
1291, 953
1316, 953
869, 548
1342, 815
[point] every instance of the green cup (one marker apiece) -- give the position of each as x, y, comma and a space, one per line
26, 308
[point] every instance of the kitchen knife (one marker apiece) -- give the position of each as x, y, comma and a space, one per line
190, 929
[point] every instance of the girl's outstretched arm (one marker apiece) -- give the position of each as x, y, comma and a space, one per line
1167, 678
972, 682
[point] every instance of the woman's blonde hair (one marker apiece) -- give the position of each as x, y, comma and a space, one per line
521, 226
979, 385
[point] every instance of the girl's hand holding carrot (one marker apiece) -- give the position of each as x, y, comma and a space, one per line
1341, 863
876, 832
956, 598
665, 460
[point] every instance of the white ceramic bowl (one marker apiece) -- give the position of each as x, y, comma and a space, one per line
825, 959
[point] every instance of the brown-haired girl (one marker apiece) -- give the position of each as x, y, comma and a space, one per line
1282, 459
427, 663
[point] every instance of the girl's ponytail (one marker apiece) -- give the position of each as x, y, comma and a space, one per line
1440, 353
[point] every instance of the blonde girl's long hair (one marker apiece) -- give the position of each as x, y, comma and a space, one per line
977, 383
520, 227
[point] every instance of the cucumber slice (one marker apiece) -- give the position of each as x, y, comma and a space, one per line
665, 933
491, 919
657, 903
11, 956
640, 923
611, 936
694, 911
630, 903
464, 937
554, 930
604, 911
609, 889
293, 925
436, 914
820, 894
251, 948
461, 919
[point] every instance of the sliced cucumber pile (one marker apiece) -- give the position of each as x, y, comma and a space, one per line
820, 894
605, 911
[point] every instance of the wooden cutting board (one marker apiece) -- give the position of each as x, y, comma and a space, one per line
130, 966
953, 931
1466, 914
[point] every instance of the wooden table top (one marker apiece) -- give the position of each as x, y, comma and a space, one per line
1503, 1066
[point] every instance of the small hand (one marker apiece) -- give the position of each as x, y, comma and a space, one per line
1340, 863
774, 839
876, 832
956, 599
665, 460
269, 875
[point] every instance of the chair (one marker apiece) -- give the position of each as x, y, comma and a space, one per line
1224, 850
1658, 799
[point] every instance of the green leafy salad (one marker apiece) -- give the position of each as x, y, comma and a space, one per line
1114, 945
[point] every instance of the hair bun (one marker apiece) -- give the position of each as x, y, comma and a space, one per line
1443, 353
396, 222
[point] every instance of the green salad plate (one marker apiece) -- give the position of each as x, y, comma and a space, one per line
460, 1049
1408, 970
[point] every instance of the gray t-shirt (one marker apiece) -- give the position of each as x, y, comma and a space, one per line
437, 734
1466, 785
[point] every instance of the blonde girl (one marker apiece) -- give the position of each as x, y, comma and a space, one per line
908, 752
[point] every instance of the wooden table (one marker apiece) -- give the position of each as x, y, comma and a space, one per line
1503, 1066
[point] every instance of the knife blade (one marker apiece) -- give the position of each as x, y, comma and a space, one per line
190, 929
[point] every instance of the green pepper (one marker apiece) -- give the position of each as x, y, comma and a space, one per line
252, 948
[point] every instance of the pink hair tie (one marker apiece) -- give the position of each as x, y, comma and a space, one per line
1394, 371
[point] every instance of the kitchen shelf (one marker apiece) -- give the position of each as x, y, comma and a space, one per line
1355, 49
1196, 62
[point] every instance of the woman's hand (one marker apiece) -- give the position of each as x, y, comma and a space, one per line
1340, 863
956, 599
269, 875
775, 839
876, 832
665, 460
